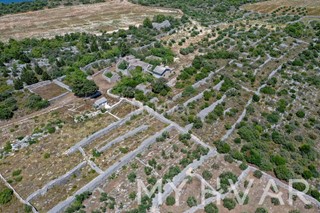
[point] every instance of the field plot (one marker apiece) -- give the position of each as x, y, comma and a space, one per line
163, 159
93, 18
221, 119
122, 109
112, 153
60, 192
133, 122
27, 126
184, 97
312, 6
213, 112
49, 91
43, 160
271, 205
210, 170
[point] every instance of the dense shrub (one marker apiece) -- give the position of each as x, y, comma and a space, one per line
229, 203
77, 204
268, 90
6, 196
36, 102
170, 201
257, 173
222, 147
283, 172
278, 160
132, 177
191, 201
211, 208
295, 30
248, 134
261, 210
300, 114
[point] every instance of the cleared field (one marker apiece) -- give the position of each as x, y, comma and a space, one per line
49, 91
107, 16
312, 6
123, 109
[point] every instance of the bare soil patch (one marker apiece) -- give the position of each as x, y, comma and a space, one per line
49, 91
106, 16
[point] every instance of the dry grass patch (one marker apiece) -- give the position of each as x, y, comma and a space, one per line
112, 155
133, 123
49, 91
36, 170
123, 109
61, 192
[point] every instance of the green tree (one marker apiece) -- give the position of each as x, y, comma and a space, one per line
159, 85
229, 203
211, 208
300, 114
147, 23
132, 177
45, 76
256, 98
18, 84
81, 86
28, 77
170, 201
38, 69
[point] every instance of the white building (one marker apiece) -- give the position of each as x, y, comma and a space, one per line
102, 102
